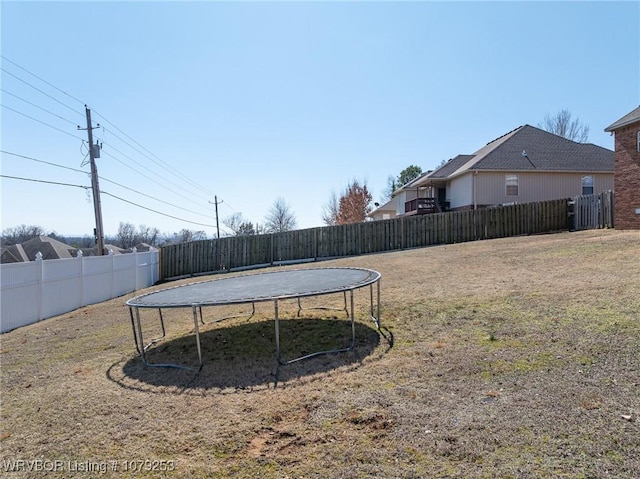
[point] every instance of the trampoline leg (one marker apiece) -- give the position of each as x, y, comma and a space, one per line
164, 332
136, 324
345, 303
375, 313
353, 322
140, 347
375, 316
378, 304
133, 327
318, 353
197, 329
277, 322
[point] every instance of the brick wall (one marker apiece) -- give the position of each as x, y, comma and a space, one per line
627, 178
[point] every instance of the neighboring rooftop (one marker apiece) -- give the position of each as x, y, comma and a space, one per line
14, 253
54, 249
631, 117
450, 166
49, 247
528, 148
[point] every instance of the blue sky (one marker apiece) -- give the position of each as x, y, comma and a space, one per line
252, 101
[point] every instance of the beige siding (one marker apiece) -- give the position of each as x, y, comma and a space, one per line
402, 198
491, 189
460, 191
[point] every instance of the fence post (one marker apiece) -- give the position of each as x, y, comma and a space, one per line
38, 259
113, 273
80, 257
134, 252
271, 247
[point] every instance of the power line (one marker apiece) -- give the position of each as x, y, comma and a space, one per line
40, 121
42, 80
37, 106
104, 179
154, 172
160, 163
166, 165
154, 211
42, 161
152, 197
38, 89
44, 181
142, 174
105, 193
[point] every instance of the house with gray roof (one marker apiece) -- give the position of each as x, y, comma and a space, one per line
525, 165
49, 247
108, 248
54, 249
385, 211
14, 253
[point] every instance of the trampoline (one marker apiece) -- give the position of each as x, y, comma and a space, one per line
254, 288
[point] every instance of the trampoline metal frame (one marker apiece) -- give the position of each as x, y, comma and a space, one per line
349, 309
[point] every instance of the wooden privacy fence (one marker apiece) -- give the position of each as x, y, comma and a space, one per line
592, 211
237, 252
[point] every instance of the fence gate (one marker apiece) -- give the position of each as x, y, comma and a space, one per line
593, 211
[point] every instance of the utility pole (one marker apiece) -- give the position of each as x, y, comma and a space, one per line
217, 224
94, 185
218, 252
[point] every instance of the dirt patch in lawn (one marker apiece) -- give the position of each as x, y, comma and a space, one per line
515, 357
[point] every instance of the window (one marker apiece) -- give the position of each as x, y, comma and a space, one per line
638, 140
587, 185
512, 185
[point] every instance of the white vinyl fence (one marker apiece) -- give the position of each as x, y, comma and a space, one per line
44, 288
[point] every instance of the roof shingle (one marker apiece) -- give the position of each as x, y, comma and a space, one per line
631, 117
528, 148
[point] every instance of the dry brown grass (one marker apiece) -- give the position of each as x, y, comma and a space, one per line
513, 358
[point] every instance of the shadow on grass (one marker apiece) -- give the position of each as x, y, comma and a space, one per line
242, 357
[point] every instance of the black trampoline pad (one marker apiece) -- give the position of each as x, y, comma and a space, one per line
252, 288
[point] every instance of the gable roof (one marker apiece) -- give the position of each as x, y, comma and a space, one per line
450, 166
388, 206
631, 117
544, 152
142, 247
49, 247
93, 251
14, 253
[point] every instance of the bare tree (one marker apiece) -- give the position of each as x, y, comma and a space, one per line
563, 125
185, 235
20, 234
148, 235
126, 237
330, 210
354, 204
238, 224
280, 218
392, 185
